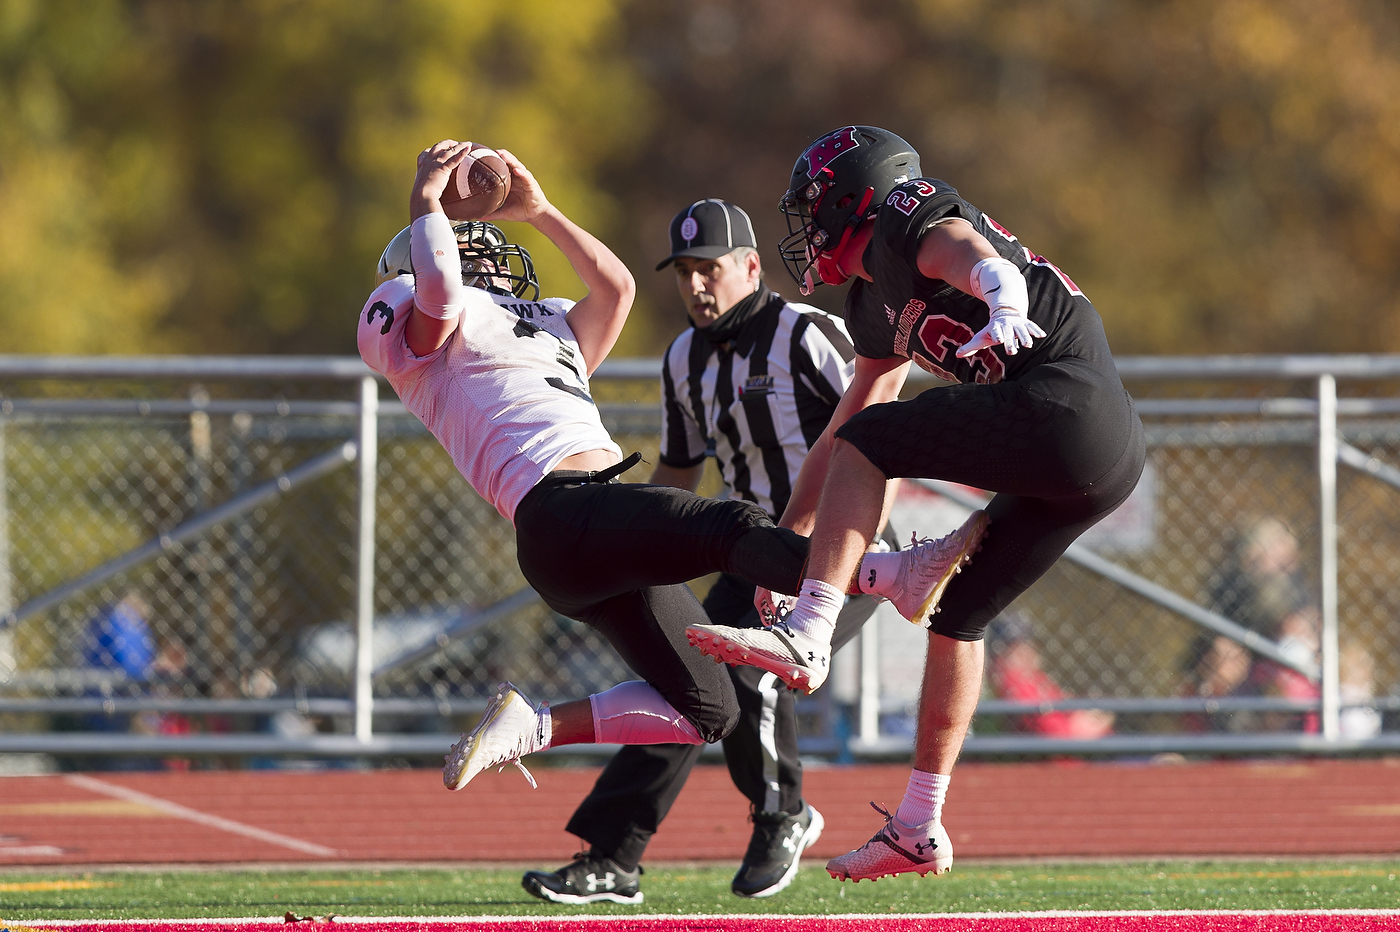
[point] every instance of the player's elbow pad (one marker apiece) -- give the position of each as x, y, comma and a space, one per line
437, 268
998, 282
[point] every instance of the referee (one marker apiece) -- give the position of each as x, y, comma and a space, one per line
753, 382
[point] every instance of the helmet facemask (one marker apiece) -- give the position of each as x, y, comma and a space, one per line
492, 263
803, 245
838, 183
808, 246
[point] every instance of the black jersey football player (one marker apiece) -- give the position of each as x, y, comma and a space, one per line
1038, 415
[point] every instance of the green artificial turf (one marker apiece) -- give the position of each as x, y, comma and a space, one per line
176, 894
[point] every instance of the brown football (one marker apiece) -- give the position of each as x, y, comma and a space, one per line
477, 186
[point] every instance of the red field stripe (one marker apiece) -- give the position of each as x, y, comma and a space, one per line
1311, 921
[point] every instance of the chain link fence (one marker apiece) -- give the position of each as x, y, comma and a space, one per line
184, 569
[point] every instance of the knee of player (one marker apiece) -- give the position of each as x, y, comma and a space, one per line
714, 723
747, 517
959, 629
750, 515
848, 457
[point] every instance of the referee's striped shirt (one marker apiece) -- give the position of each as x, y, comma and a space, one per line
762, 399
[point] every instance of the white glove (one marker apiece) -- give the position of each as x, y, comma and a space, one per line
1007, 327
772, 606
998, 282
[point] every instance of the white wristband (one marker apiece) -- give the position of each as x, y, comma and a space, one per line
998, 282
437, 268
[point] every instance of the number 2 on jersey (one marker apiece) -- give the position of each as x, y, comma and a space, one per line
905, 202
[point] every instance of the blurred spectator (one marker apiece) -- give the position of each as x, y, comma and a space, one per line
1016, 674
1358, 685
291, 724
168, 672
1298, 638
118, 642
1261, 581
1262, 587
258, 684
119, 639
1216, 667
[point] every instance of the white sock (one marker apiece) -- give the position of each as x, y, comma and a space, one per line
818, 604
635, 713
923, 797
878, 572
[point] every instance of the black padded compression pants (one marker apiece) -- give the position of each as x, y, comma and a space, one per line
1061, 446
617, 556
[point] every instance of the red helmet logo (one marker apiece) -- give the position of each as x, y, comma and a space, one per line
822, 152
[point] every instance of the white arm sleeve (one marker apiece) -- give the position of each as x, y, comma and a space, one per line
998, 282
437, 269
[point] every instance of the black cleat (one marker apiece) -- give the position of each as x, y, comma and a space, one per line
589, 879
775, 849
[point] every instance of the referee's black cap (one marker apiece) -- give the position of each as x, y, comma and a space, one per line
708, 229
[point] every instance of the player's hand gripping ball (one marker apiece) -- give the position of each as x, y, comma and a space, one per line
477, 186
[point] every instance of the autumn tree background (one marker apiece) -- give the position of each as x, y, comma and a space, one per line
1218, 175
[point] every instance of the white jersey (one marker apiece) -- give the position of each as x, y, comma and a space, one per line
507, 394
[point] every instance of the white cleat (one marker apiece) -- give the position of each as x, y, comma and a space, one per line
800, 661
929, 565
896, 849
509, 729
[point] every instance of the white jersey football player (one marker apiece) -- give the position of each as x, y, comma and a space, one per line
501, 380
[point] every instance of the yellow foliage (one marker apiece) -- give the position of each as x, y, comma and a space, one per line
1218, 175
221, 176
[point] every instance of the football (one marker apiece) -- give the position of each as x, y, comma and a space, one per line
477, 186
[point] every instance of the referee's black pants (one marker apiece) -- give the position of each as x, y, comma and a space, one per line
617, 556
637, 788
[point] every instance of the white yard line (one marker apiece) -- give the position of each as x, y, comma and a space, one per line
200, 818
32, 851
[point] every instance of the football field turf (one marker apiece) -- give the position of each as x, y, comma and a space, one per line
701, 890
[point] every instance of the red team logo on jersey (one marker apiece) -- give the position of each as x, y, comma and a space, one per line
941, 337
824, 150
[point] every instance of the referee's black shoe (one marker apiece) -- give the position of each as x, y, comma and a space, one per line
775, 849
589, 879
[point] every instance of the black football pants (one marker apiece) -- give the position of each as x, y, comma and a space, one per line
617, 556
1061, 447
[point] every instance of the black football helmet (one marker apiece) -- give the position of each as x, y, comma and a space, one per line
839, 181
489, 261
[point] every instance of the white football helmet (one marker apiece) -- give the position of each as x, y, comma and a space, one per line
397, 258
489, 260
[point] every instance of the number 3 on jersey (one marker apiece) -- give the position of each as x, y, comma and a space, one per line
906, 202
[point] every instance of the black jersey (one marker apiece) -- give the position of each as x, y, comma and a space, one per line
903, 313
